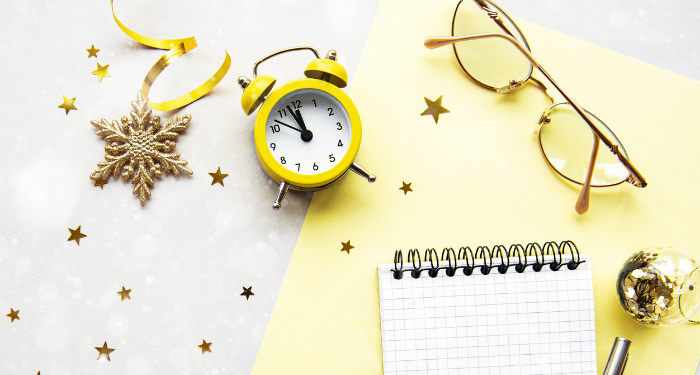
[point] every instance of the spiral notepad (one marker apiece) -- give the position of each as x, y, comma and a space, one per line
522, 310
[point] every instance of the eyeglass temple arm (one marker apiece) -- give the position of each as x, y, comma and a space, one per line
585, 194
437, 42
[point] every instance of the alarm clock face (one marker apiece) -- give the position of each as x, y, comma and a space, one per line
308, 131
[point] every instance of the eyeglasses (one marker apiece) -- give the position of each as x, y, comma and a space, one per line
497, 56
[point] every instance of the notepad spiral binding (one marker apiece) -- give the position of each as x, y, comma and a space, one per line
499, 252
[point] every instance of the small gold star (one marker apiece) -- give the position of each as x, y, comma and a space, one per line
125, 293
435, 108
93, 51
104, 350
346, 246
75, 235
13, 315
218, 177
406, 187
247, 292
100, 182
101, 71
67, 104
205, 346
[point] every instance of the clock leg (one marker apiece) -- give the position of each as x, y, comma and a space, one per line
362, 172
284, 186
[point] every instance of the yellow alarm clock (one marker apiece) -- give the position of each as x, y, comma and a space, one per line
308, 131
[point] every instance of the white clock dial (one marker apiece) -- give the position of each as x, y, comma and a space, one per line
308, 131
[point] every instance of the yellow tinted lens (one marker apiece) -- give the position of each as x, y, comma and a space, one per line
567, 143
493, 62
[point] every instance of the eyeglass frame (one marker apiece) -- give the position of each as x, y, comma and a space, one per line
635, 178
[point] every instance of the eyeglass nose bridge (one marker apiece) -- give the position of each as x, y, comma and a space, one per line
544, 120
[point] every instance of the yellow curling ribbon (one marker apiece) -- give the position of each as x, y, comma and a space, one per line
177, 48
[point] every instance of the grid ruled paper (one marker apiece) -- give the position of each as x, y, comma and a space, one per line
520, 324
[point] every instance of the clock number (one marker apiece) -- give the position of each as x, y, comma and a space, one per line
273, 146
315, 167
330, 112
283, 113
296, 103
298, 167
283, 160
340, 127
314, 100
275, 128
331, 157
340, 143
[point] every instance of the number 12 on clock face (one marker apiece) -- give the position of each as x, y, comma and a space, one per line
308, 131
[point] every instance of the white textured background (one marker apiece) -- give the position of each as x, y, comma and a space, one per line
189, 252
663, 33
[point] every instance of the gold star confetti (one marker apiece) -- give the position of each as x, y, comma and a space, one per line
218, 177
346, 246
75, 235
435, 108
125, 293
92, 51
13, 315
406, 187
205, 346
141, 148
100, 182
101, 72
104, 350
247, 292
67, 104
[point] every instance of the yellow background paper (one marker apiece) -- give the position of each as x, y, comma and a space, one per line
479, 179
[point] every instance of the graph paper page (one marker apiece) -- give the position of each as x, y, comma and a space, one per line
514, 323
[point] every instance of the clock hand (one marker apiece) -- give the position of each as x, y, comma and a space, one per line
287, 125
306, 134
297, 118
300, 120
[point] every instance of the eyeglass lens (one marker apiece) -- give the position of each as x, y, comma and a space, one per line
567, 143
493, 62
567, 140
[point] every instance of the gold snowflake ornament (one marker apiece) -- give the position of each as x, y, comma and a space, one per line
140, 148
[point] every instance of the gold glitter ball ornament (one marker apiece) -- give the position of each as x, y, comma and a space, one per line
659, 286
140, 148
